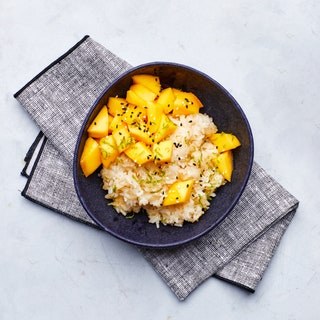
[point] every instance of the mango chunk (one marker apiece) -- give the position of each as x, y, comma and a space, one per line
108, 149
186, 103
149, 81
154, 114
136, 100
133, 114
90, 158
162, 151
143, 92
99, 126
179, 192
122, 138
140, 132
116, 123
225, 141
116, 105
110, 119
224, 164
166, 127
139, 153
166, 100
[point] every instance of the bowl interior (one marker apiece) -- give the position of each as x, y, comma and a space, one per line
227, 115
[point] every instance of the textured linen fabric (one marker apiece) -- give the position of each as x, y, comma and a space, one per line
59, 98
238, 250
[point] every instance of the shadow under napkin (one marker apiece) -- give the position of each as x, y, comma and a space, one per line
58, 98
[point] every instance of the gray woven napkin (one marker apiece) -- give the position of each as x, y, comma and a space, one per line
57, 99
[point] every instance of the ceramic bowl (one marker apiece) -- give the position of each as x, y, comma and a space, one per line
227, 115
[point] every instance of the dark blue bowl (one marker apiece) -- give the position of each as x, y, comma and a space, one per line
227, 115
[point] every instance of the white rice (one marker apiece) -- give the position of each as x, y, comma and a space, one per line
133, 187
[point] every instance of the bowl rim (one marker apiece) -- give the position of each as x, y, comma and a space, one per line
232, 204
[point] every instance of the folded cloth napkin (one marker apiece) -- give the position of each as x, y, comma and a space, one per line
238, 250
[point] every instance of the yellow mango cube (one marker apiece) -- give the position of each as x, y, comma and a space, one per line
143, 92
136, 100
90, 158
186, 103
179, 192
134, 114
166, 100
110, 119
225, 141
162, 151
166, 128
154, 114
99, 126
116, 123
149, 81
109, 150
140, 132
139, 153
116, 105
224, 164
122, 138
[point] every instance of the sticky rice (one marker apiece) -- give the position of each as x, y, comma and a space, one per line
133, 188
